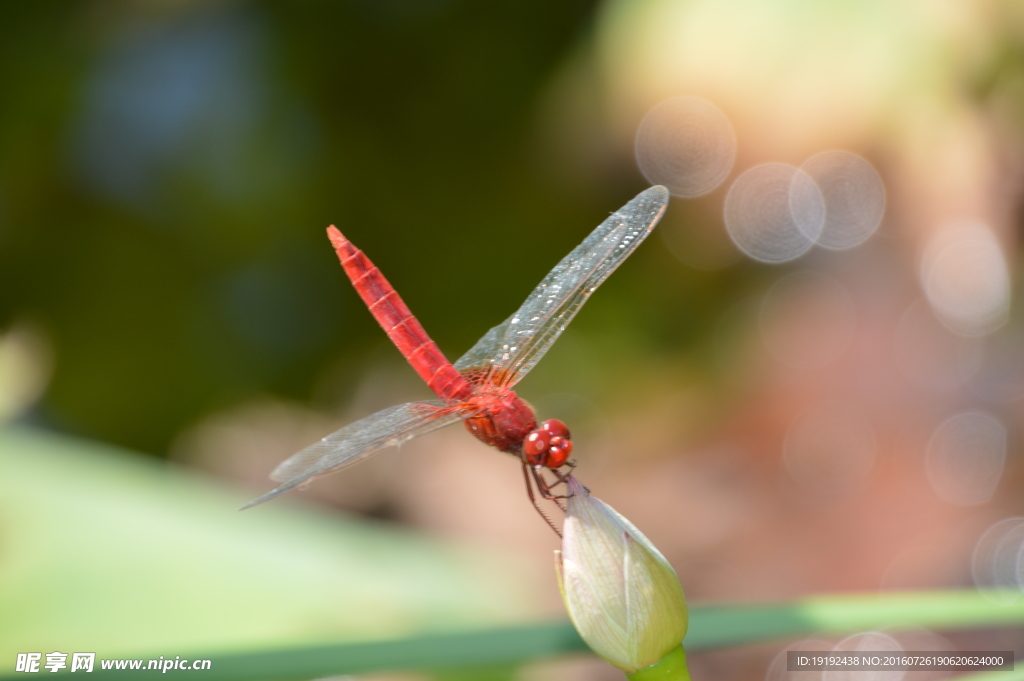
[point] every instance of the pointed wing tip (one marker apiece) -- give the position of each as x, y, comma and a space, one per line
280, 489
647, 207
658, 193
259, 500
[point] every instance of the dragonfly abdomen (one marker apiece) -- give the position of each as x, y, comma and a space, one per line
398, 322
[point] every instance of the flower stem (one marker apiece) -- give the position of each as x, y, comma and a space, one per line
672, 667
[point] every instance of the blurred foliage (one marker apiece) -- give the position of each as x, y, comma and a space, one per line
166, 173
95, 539
95, 544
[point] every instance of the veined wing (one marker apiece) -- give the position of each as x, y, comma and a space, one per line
359, 440
515, 346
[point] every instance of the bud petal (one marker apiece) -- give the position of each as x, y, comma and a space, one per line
621, 594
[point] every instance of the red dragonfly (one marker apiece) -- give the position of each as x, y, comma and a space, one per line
477, 389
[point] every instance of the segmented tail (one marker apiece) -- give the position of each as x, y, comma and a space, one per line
398, 322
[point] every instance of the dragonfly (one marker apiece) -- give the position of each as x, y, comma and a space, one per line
477, 389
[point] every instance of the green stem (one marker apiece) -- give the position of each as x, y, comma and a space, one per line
723, 625
672, 667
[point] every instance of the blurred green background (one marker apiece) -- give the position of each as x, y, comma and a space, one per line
175, 323
168, 169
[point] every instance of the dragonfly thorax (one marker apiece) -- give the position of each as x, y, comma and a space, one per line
504, 420
509, 423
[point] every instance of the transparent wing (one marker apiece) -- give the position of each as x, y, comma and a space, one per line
359, 440
515, 346
484, 353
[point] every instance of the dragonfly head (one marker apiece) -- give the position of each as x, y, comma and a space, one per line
549, 445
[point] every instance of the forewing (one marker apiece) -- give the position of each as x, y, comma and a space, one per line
515, 346
486, 349
359, 440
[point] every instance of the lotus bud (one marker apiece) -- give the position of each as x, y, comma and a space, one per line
621, 594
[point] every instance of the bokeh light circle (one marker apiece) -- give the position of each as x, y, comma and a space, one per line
864, 642
777, 669
686, 144
965, 457
774, 212
997, 564
853, 194
966, 279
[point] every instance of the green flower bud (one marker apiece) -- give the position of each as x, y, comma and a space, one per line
621, 594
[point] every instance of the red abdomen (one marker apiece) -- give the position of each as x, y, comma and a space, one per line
398, 322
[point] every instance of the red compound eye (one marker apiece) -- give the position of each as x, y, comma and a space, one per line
535, 445
558, 453
563, 442
556, 456
555, 427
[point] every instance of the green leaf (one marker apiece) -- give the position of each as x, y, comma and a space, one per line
109, 552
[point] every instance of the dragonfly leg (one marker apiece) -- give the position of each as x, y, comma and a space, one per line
533, 499
545, 487
562, 477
